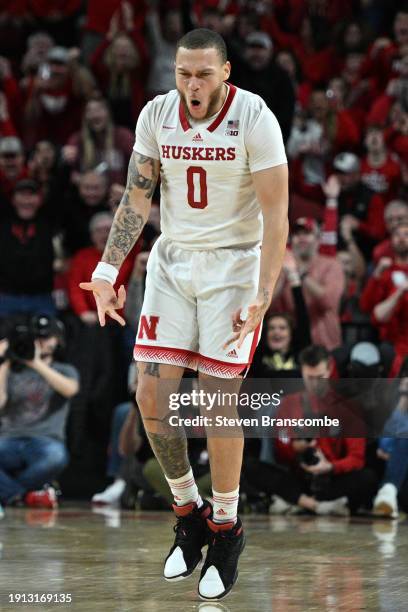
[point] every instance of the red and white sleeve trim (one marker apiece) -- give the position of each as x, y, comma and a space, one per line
168, 355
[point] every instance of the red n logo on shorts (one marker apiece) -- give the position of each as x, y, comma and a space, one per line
147, 327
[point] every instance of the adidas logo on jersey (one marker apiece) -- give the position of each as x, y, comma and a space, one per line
197, 138
233, 353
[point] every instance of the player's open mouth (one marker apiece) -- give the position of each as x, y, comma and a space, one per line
195, 103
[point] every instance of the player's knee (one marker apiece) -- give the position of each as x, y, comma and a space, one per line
145, 399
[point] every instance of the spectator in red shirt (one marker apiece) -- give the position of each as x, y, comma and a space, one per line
396, 91
383, 56
323, 474
360, 92
395, 214
338, 126
311, 46
316, 137
100, 143
390, 312
55, 96
84, 262
373, 291
380, 171
322, 281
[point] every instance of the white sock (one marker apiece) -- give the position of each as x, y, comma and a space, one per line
185, 490
225, 506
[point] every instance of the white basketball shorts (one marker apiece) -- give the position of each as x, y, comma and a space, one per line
189, 300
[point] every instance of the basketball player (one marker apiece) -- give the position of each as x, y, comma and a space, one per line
224, 191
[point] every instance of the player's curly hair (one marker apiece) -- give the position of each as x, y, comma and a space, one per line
202, 38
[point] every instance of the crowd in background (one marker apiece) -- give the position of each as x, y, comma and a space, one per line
73, 78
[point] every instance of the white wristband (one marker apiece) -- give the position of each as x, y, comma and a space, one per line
105, 271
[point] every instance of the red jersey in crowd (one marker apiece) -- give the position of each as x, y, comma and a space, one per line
59, 115
381, 64
378, 289
384, 180
368, 208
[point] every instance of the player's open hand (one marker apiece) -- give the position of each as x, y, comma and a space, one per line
243, 327
107, 302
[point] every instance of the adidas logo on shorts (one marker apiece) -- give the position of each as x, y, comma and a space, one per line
233, 353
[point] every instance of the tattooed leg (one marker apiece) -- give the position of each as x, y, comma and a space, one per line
152, 369
171, 453
168, 443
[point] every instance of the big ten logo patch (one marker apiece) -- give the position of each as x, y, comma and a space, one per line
232, 128
148, 327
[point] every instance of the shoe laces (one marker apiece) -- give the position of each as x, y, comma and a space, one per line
185, 525
220, 547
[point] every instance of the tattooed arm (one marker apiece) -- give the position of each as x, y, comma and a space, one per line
127, 226
271, 187
133, 209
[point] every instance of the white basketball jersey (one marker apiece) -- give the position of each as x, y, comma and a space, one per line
207, 194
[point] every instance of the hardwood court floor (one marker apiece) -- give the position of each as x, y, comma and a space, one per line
113, 562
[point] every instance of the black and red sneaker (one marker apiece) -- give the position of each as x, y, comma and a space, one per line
220, 570
191, 535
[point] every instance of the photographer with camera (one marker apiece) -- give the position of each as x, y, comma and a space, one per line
326, 472
35, 390
309, 469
